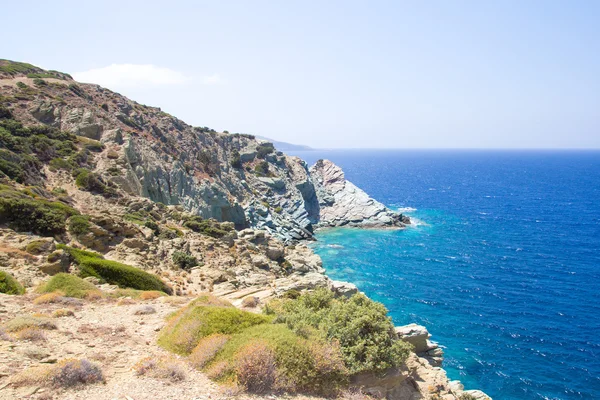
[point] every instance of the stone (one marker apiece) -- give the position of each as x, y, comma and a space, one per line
417, 335
345, 289
275, 252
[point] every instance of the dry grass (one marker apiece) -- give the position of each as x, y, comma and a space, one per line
28, 321
250, 302
126, 302
218, 370
168, 368
63, 312
73, 372
31, 334
206, 350
255, 367
151, 295
48, 298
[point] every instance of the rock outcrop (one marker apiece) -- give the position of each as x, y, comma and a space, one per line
229, 177
341, 203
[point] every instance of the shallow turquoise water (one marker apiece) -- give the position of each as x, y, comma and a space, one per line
502, 266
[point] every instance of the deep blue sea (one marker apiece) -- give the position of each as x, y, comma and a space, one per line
502, 265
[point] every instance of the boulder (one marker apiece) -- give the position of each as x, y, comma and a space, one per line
345, 289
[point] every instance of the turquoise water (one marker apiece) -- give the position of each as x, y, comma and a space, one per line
502, 266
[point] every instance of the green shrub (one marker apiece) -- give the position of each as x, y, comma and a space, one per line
360, 325
22, 85
190, 324
262, 168
115, 273
28, 321
36, 247
208, 227
236, 161
264, 149
39, 82
9, 285
70, 285
184, 260
39, 216
152, 225
79, 224
303, 365
91, 182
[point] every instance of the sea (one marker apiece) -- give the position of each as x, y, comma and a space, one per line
501, 263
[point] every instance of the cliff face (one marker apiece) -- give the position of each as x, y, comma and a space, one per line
229, 177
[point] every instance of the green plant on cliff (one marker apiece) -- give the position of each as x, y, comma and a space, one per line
360, 325
184, 260
79, 224
9, 285
116, 273
27, 214
208, 227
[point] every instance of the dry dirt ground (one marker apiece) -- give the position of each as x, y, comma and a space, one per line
110, 334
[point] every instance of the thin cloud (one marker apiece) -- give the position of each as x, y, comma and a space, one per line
140, 75
131, 75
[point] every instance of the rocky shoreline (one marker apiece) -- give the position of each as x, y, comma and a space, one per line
158, 175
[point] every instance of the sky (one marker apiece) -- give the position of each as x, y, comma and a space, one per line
337, 74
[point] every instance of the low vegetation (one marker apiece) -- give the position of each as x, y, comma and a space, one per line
168, 368
69, 285
184, 260
9, 285
360, 325
264, 149
65, 374
208, 227
24, 213
28, 321
115, 273
79, 224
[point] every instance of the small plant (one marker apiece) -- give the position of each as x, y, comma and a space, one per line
264, 149
262, 168
184, 260
48, 298
236, 161
79, 224
255, 367
69, 285
72, 372
152, 225
39, 82
63, 312
250, 302
9, 285
22, 85
28, 321
165, 368
31, 334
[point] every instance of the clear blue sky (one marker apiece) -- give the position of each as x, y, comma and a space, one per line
491, 74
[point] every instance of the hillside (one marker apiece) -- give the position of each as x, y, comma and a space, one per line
140, 255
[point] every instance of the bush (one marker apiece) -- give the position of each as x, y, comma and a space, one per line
115, 273
264, 149
206, 349
31, 334
72, 372
250, 301
164, 368
63, 312
194, 322
49, 298
301, 364
28, 321
262, 168
152, 225
79, 224
255, 367
208, 227
360, 325
9, 285
32, 215
70, 285
184, 260
236, 161
91, 182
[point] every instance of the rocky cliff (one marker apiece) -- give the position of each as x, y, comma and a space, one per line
131, 182
228, 177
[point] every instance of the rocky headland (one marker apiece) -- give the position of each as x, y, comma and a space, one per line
84, 168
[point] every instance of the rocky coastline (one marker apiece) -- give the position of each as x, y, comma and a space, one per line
261, 206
